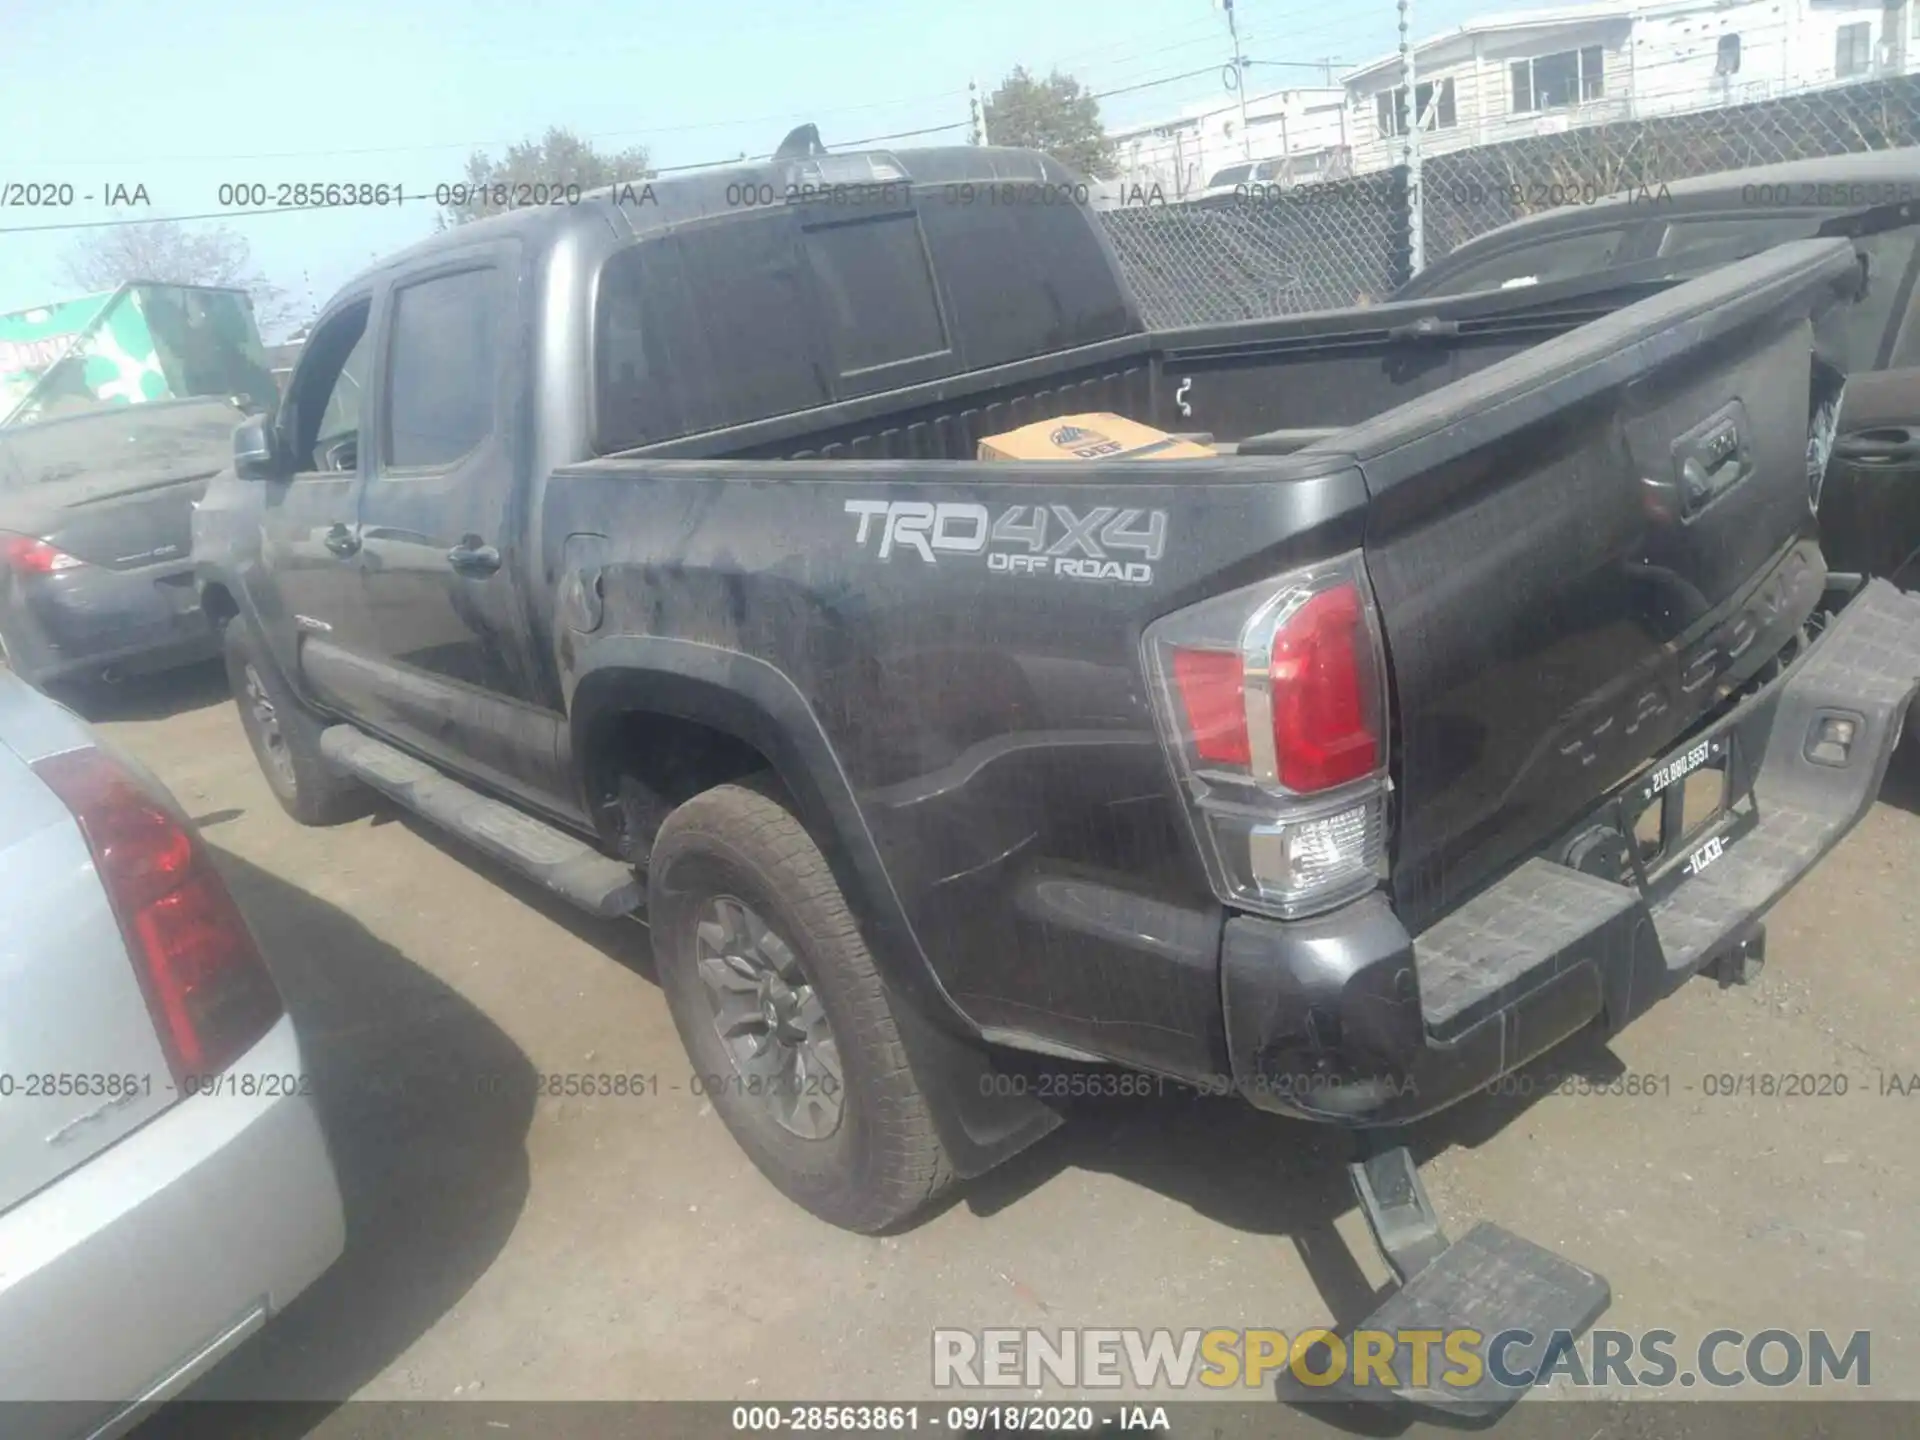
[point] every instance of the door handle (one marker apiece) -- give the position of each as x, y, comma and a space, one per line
470, 557
1882, 445
341, 541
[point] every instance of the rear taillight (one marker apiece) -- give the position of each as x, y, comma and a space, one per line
1272, 700
209, 992
1326, 693
1213, 703
25, 555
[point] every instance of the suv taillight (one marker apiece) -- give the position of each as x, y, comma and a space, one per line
206, 985
28, 556
1272, 702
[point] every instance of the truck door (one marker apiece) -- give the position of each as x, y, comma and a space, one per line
448, 672
307, 596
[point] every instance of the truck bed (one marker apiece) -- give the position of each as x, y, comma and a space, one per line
1308, 375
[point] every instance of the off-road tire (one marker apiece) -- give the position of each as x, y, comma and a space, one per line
884, 1162
305, 786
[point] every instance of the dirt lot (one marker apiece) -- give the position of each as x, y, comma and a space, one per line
511, 1245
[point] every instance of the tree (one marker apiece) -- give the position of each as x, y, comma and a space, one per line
170, 253
1055, 115
536, 172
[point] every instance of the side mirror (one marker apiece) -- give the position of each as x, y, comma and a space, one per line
254, 455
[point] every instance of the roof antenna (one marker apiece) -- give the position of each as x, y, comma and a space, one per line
802, 142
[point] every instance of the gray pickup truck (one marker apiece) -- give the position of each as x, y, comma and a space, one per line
1486, 682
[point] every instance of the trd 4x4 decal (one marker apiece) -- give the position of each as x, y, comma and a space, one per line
1021, 539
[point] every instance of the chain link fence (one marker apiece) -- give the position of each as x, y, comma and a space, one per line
1470, 192
1275, 251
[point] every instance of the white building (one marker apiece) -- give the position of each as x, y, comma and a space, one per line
1541, 71
1306, 127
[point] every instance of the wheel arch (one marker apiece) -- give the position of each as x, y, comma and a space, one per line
756, 707
687, 689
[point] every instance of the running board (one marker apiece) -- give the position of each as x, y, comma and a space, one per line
570, 868
1490, 1281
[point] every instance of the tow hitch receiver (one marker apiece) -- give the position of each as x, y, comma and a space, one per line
1489, 1281
1743, 963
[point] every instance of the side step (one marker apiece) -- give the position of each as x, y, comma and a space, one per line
1489, 1281
570, 868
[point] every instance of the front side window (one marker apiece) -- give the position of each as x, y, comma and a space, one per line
441, 368
341, 418
325, 393
1728, 60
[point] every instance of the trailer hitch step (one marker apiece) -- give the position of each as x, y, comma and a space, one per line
1490, 1282
1398, 1212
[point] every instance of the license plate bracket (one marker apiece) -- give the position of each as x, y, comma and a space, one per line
1684, 812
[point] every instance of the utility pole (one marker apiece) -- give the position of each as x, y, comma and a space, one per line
979, 114
1239, 79
1416, 210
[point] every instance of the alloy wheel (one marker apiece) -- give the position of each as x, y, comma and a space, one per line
769, 1018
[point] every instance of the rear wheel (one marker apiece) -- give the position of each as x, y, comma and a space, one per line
285, 737
8, 663
788, 1023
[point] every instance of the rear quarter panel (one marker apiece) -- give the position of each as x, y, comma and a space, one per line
987, 727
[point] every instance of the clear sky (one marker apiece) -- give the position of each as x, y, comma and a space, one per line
181, 96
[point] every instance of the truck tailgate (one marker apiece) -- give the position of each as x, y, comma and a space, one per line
1581, 551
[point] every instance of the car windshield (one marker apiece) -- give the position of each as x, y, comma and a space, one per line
193, 433
1232, 175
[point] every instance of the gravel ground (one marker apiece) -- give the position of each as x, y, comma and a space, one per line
510, 1245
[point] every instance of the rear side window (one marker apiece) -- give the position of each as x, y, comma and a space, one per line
876, 291
651, 369
1558, 259
442, 368
701, 330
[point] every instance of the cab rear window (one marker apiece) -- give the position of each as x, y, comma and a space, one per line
725, 323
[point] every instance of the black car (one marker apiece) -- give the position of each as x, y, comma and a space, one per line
1343, 769
1870, 511
96, 517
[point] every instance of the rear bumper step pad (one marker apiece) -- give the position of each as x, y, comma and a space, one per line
1490, 1282
569, 867
1545, 919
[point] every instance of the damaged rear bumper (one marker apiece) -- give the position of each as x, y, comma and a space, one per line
1348, 1018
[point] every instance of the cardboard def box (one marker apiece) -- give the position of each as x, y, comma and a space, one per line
1089, 437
